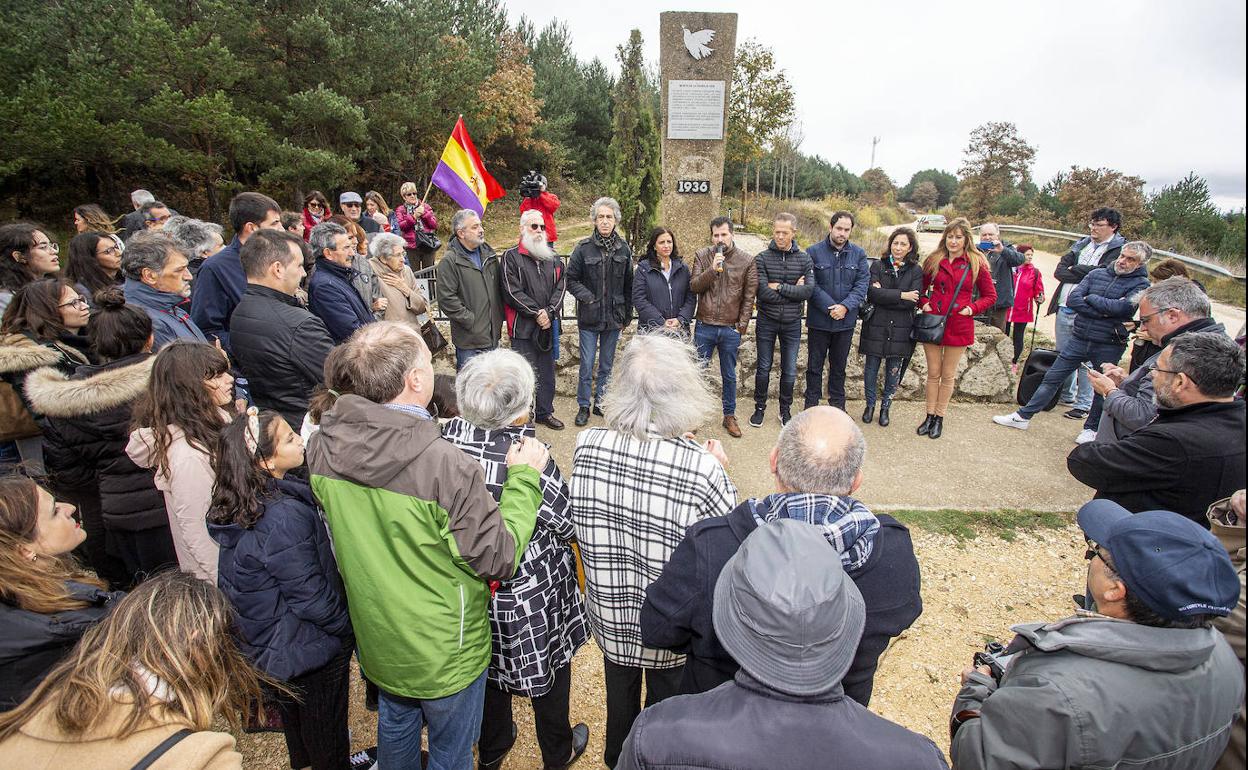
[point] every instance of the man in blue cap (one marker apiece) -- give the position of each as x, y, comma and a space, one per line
1143, 680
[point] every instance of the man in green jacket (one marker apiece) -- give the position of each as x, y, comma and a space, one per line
417, 538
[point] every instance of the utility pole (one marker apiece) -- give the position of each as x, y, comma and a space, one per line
874, 141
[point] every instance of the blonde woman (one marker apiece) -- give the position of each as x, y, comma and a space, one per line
149, 681
377, 209
952, 274
415, 217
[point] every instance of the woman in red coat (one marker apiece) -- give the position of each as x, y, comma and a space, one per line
1028, 294
942, 269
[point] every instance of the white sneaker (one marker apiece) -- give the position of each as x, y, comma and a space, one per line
1086, 436
1012, 420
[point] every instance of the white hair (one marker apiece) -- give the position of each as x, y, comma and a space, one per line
803, 465
385, 243
610, 203
494, 389
460, 220
658, 387
530, 215
141, 196
995, 228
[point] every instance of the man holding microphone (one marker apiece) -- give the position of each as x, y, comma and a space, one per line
726, 280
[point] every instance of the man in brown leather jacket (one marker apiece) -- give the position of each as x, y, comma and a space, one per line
725, 279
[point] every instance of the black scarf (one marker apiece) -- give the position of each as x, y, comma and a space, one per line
608, 245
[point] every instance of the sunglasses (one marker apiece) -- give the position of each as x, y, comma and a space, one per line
314, 205
538, 227
350, 205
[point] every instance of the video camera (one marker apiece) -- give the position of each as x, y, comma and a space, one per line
532, 184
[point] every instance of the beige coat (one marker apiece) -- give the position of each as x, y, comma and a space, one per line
40, 744
1232, 626
188, 493
406, 308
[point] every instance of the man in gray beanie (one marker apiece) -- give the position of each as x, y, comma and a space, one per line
787, 612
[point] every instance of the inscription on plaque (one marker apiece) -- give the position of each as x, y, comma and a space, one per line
693, 187
695, 109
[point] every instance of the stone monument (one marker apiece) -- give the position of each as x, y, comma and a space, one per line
696, 52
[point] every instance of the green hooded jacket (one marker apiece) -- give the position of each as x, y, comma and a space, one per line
417, 536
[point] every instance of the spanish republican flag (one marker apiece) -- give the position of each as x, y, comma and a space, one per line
461, 174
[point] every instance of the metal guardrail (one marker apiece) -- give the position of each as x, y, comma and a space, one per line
1198, 264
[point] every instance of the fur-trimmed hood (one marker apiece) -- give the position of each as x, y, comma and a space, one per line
53, 394
19, 353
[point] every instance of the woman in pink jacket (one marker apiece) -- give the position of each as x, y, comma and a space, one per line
1028, 294
414, 217
178, 421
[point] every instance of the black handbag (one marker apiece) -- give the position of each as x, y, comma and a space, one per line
931, 328
866, 310
432, 337
428, 241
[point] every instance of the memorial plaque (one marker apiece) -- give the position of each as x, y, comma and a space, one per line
696, 52
695, 109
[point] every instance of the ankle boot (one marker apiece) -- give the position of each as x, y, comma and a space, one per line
868, 413
926, 425
884, 405
938, 426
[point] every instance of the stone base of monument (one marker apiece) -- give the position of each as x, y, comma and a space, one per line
983, 374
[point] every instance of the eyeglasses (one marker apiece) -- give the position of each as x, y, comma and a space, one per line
1099, 223
1144, 319
411, 194
51, 246
350, 205
160, 220
537, 227
77, 302
1094, 551
110, 250
314, 204
1155, 368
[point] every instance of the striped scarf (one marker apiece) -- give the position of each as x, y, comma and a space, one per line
847, 524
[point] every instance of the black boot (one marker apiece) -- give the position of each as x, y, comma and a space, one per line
938, 425
582, 416
786, 396
884, 405
868, 413
926, 425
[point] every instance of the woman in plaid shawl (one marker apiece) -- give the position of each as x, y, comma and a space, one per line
537, 618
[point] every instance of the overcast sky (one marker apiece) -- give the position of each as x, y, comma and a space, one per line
1154, 88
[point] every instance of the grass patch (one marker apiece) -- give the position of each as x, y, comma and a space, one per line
1004, 523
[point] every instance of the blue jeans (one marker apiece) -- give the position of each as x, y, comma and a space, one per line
710, 338
871, 371
601, 345
454, 724
790, 335
464, 355
1075, 352
1080, 393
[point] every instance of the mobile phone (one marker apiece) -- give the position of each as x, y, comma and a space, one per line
1087, 366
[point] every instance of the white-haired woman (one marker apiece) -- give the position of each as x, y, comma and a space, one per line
537, 618
636, 486
398, 284
414, 217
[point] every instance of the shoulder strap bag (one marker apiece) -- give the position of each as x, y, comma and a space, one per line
929, 327
160, 749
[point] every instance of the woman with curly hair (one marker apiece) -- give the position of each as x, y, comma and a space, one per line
150, 681
177, 422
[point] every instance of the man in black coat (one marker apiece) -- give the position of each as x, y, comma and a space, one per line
1193, 453
817, 465
786, 280
277, 343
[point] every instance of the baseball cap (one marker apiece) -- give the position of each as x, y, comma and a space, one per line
1171, 563
350, 197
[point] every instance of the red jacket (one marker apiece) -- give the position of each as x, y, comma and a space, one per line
1028, 290
959, 329
548, 204
309, 222
407, 223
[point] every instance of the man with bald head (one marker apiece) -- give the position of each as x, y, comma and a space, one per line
816, 466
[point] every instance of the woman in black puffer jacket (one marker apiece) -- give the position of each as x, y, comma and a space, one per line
46, 601
86, 420
896, 279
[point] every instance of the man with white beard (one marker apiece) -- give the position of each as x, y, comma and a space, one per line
533, 280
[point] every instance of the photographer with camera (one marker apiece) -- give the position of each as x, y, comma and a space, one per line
536, 198
1144, 680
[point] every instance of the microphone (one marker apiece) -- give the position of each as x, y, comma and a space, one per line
719, 261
